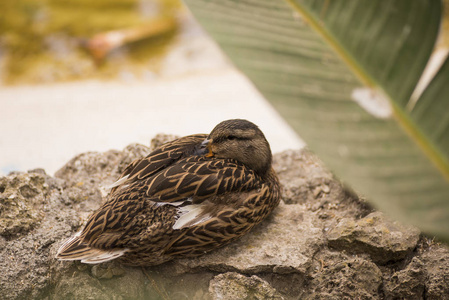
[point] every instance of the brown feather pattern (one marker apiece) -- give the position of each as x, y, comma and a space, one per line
142, 220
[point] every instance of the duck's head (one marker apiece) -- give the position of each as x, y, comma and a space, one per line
240, 140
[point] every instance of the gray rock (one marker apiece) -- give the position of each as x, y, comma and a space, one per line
303, 176
80, 286
230, 286
107, 271
339, 276
21, 194
284, 243
408, 283
90, 168
38, 218
96, 169
286, 256
436, 263
103, 281
384, 240
126, 283
305, 180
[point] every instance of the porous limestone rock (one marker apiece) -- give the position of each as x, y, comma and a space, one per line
336, 275
323, 243
384, 240
231, 285
408, 283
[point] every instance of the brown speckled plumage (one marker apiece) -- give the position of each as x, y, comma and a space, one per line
188, 197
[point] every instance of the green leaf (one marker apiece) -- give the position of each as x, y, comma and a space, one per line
431, 112
342, 73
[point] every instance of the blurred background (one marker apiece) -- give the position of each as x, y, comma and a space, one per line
80, 75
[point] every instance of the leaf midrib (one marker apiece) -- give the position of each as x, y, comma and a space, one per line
428, 148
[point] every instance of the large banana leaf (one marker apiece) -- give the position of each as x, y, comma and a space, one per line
344, 75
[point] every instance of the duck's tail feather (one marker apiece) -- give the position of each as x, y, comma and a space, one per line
75, 249
190, 215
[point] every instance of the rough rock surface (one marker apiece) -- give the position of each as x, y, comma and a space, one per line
323, 242
375, 235
436, 267
34, 222
236, 286
407, 283
339, 276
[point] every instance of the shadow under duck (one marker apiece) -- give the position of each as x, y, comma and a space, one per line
188, 197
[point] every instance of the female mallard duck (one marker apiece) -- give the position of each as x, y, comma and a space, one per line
188, 197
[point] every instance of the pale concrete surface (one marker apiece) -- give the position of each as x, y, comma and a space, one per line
45, 126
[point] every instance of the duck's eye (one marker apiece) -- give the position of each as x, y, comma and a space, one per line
232, 137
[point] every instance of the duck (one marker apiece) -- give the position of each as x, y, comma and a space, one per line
186, 198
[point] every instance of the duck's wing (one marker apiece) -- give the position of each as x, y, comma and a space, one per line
159, 159
198, 178
186, 185
112, 216
193, 185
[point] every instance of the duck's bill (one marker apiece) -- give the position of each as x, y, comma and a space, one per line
205, 143
205, 146
210, 153
204, 149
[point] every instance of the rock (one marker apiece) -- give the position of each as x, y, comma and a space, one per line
436, 263
21, 194
95, 169
88, 175
325, 244
38, 219
90, 168
80, 286
162, 282
408, 283
107, 270
230, 286
103, 281
302, 175
305, 180
128, 283
284, 243
339, 276
384, 240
